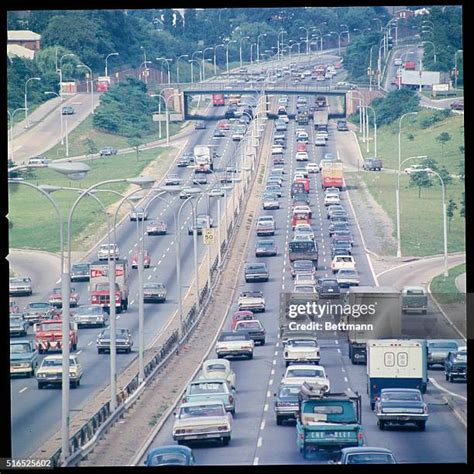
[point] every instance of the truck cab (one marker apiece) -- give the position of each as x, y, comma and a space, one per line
327, 420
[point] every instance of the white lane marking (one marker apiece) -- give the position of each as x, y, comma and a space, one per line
255, 461
149, 277
268, 393
156, 266
59, 281
117, 317
78, 352
130, 251
276, 353
338, 350
270, 382
337, 342
277, 344
262, 425
272, 372
343, 369
89, 343
133, 301
439, 387
265, 408
259, 442
23, 389
274, 362
345, 379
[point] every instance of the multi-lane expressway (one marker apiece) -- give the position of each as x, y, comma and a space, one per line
256, 438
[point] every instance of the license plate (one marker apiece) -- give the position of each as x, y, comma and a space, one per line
404, 418
199, 436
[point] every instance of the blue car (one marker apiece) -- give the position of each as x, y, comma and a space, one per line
170, 456
366, 455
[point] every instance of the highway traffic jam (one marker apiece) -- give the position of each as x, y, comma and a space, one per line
277, 388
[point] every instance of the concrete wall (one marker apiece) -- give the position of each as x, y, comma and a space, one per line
353, 99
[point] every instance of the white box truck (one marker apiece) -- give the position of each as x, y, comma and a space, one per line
395, 363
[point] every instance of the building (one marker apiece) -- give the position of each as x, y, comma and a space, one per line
26, 38
426, 78
404, 14
20, 51
422, 11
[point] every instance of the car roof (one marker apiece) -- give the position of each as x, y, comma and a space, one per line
216, 361
197, 404
20, 341
366, 449
414, 390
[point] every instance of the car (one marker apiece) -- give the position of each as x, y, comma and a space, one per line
455, 365
338, 243
18, 325
108, 250
338, 225
80, 272
56, 297
328, 288
35, 311
277, 150
301, 156
302, 266
235, 345
332, 190
67, 110
312, 167
238, 135
123, 341
346, 278
201, 125
311, 374
211, 389
286, 403
218, 133
277, 160
279, 142
207, 420
20, 286
217, 192
172, 180
239, 316
303, 234
38, 160
138, 214
203, 221
270, 201
154, 292
342, 126
266, 248
301, 198
224, 125
331, 198
170, 456
275, 180
254, 328
414, 299
302, 137
414, 169
251, 300
438, 350
457, 105
24, 358
255, 272
303, 288
90, 315
183, 162
345, 86
301, 350
333, 208
186, 192
305, 278
302, 237
322, 134
302, 209
397, 62
401, 406
366, 455
156, 228
342, 262
265, 226
51, 371
372, 164
146, 260
199, 178
219, 369
108, 151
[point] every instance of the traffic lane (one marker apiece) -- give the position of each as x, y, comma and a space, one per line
407, 444
458, 387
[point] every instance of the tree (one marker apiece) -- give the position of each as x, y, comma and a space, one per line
443, 138
451, 207
394, 105
91, 146
135, 142
430, 163
445, 176
421, 180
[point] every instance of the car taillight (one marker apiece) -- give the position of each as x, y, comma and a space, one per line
117, 298
221, 428
94, 299
425, 408
360, 435
231, 399
184, 400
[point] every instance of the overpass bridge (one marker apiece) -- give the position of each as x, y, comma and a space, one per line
187, 91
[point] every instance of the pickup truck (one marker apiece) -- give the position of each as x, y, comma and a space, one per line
23, 357
327, 420
252, 301
342, 262
372, 164
414, 299
49, 336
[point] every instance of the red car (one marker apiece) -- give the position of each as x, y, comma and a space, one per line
146, 260
301, 147
56, 298
240, 316
14, 308
156, 228
224, 125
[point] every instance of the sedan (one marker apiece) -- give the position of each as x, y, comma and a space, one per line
273, 188
302, 266
90, 315
337, 226
146, 260
123, 341
34, 312
346, 278
200, 126
328, 288
18, 325
185, 193
200, 178
156, 228
172, 180
400, 406
333, 208
312, 168
67, 110
218, 133
138, 214
265, 248
331, 199
366, 455
108, 151
170, 456
270, 201
256, 272
38, 160
21, 286
319, 140
154, 293
302, 156
343, 235
183, 162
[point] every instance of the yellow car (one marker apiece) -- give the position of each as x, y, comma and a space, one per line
51, 371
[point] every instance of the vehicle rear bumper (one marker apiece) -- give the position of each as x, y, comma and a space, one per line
402, 417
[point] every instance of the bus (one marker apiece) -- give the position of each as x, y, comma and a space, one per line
303, 250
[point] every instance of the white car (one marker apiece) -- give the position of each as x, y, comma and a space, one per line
302, 209
301, 350
218, 369
297, 374
277, 150
397, 62
302, 156
331, 198
322, 133
302, 137
344, 262
332, 191
319, 140
304, 229
312, 168
300, 288
305, 279
108, 249
414, 169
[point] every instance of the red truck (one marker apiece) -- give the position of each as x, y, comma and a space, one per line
410, 65
49, 336
99, 284
218, 100
331, 175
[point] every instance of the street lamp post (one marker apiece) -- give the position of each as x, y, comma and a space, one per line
26, 97
307, 37
282, 32
434, 49
215, 57
227, 54
375, 129
456, 72
92, 84
258, 45
399, 251
61, 73
166, 61
168, 114
60, 114
106, 58
240, 48
203, 61
177, 65
346, 31
192, 61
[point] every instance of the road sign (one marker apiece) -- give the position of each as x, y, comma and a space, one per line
208, 236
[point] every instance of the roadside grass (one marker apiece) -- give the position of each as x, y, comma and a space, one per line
35, 223
85, 131
444, 288
421, 220
458, 93
423, 143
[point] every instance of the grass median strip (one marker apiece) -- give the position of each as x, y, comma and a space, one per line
445, 289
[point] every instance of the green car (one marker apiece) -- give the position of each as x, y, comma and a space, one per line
211, 390
23, 357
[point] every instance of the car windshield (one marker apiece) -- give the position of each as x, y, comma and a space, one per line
154, 286
56, 362
168, 459
256, 267
80, 266
218, 367
20, 348
16, 319
329, 283
347, 272
301, 343
203, 388
344, 259
38, 305
201, 410
50, 327
119, 334
443, 345
252, 324
57, 291
310, 372
89, 309
400, 396
236, 337
19, 280
415, 292
303, 265
370, 458
289, 392
265, 243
